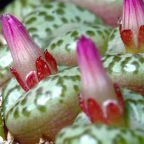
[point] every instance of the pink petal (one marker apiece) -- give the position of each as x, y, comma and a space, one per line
23, 50
31, 79
99, 99
42, 69
51, 61
18, 78
95, 82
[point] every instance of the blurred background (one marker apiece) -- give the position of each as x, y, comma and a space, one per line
108, 10
3, 3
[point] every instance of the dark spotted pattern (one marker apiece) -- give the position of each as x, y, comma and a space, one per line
63, 48
53, 99
11, 93
115, 44
135, 114
93, 134
5, 62
126, 69
48, 17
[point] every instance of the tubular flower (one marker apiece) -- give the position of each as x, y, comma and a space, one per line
132, 26
99, 98
30, 63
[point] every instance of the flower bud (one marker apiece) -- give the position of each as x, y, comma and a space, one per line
132, 26
30, 63
100, 99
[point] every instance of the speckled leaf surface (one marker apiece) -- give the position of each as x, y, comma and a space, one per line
93, 134
5, 62
134, 106
63, 45
47, 18
47, 108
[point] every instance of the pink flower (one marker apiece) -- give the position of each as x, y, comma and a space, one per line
132, 26
100, 99
30, 63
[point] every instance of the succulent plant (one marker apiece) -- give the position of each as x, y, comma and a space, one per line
45, 20
60, 74
132, 26
92, 134
108, 10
